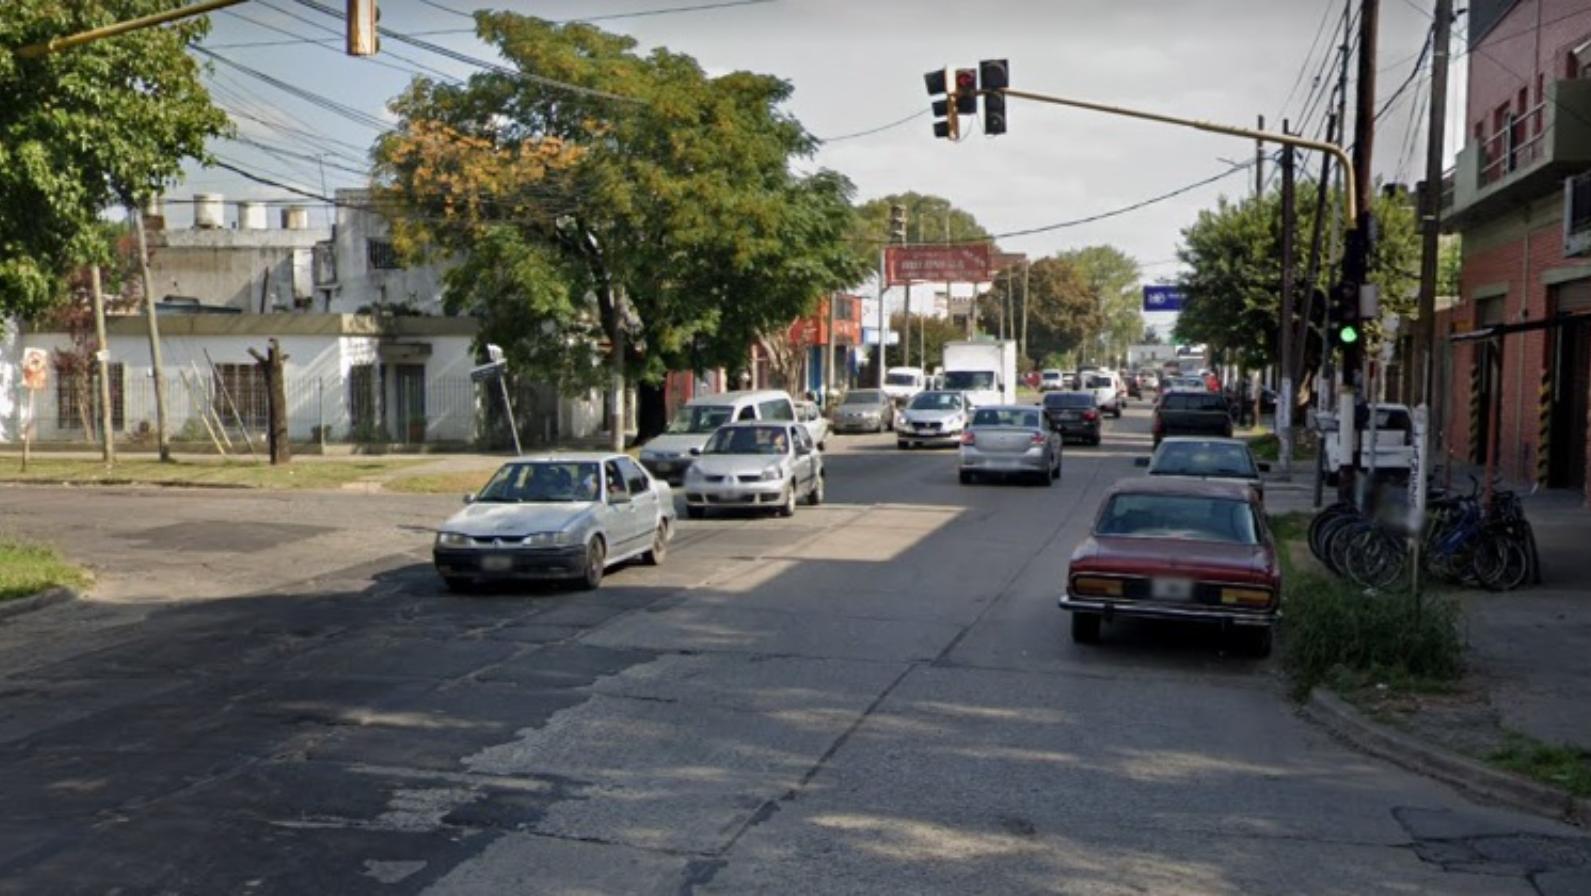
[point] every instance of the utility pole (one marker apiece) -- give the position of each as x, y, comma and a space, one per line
102, 358
155, 358
1027, 270
828, 353
1259, 162
1431, 206
878, 379
1284, 400
1356, 257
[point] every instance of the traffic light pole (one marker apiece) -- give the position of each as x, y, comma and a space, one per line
57, 44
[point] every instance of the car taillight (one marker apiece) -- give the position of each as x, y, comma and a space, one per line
968, 438
1038, 438
1246, 597
1091, 415
1160, 425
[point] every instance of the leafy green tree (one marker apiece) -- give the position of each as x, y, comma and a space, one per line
935, 332
1063, 311
1112, 277
86, 128
662, 201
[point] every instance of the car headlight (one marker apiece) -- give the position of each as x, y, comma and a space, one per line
771, 474
454, 540
545, 539
694, 472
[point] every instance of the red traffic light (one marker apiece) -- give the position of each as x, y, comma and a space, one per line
966, 80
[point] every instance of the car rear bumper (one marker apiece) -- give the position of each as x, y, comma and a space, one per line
526, 563
1184, 613
982, 462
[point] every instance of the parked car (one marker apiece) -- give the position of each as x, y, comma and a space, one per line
1179, 549
809, 415
668, 456
1199, 458
1074, 415
1107, 390
562, 516
1010, 440
864, 410
1050, 380
755, 465
932, 418
1191, 414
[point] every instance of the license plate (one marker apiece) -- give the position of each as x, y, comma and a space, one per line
1172, 589
497, 564
1068, 415
665, 466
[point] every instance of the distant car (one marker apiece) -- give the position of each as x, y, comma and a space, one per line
1183, 384
1198, 458
901, 383
562, 516
1107, 390
1074, 415
1010, 440
1191, 414
932, 418
864, 410
1050, 380
1134, 386
755, 465
808, 415
1178, 549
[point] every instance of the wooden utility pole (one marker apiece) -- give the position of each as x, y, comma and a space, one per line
1356, 258
102, 359
1431, 207
1027, 270
1259, 162
157, 362
271, 364
1284, 400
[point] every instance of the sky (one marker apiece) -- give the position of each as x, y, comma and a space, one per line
857, 66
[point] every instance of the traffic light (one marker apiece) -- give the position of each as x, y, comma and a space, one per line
897, 223
363, 38
945, 123
966, 91
1345, 319
994, 75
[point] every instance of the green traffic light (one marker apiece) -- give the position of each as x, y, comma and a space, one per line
1348, 335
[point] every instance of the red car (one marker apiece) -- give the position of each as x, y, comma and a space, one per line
1179, 549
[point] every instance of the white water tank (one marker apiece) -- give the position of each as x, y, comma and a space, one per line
154, 207
209, 211
251, 216
295, 217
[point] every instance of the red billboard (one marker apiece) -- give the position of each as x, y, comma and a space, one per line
956, 263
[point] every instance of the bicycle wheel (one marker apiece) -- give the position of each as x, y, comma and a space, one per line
1328, 536
1317, 526
1341, 542
1376, 559
1500, 561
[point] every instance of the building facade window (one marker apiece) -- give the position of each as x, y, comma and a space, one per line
77, 398
381, 255
241, 386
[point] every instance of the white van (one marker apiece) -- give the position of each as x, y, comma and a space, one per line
901, 383
668, 456
1106, 386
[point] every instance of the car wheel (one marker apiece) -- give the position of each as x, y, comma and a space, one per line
789, 505
815, 497
695, 513
1056, 473
659, 550
596, 562
458, 584
823, 445
1094, 441
902, 444
1085, 628
966, 478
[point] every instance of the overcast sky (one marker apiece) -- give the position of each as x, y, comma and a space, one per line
858, 65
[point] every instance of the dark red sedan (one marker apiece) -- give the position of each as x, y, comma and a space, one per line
1192, 550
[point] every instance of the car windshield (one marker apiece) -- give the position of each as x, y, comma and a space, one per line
749, 440
969, 379
1203, 459
900, 379
864, 396
542, 482
1193, 401
1026, 419
1069, 400
1099, 382
1189, 517
700, 418
936, 401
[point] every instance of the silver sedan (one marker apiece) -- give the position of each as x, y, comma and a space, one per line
1010, 440
755, 465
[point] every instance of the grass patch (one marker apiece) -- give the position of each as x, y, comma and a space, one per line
26, 569
1267, 446
458, 483
309, 474
1562, 766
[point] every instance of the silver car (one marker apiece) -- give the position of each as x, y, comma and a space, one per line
1010, 440
864, 410
755, 465
562, 516
817, 425
932, 418
1206, 458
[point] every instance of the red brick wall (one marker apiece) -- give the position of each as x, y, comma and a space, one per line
1513, 54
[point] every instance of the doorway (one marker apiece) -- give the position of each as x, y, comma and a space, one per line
1571, 383
410, 418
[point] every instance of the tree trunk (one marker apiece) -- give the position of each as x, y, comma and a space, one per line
651, 410
271, 363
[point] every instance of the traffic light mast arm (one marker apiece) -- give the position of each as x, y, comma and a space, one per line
57, 44
1351, 210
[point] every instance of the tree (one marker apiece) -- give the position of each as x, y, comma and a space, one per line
635, 197
101, 124
1063, 309
1112, 277
935, 332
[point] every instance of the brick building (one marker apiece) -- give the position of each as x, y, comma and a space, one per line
1523, 396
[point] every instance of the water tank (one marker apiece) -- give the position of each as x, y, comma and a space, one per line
295, 217
251, 216
154, 206
209, 210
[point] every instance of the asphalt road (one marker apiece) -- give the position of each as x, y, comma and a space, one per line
274, 695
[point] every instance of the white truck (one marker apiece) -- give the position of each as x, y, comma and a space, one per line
985, 370
901, 383
1394, 443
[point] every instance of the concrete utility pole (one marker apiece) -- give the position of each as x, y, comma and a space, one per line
1431, 206
1284, 400
1027, 270
878, 378
155, 358
1259, 161
828, 352
1356, 258
102, 358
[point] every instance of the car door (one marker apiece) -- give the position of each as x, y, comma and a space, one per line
622, 518
804, 459
644, 500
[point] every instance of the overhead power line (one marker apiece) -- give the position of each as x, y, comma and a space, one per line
870, 131
1077, 222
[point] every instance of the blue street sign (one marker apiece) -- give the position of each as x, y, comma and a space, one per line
1163, 298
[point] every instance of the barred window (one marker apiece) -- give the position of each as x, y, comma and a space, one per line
382, 256
245, 385
72, 398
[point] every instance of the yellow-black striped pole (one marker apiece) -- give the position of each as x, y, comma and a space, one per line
1476, 360
1544, 439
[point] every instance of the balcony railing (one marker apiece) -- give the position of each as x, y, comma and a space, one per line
1518, 145
1526, 160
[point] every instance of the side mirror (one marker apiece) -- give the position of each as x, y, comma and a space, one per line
803, 450
1264, 467
620, 498
1140, 462
696, 452
469, 497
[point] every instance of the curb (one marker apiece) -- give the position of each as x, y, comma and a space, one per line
1337, 716
38, 601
